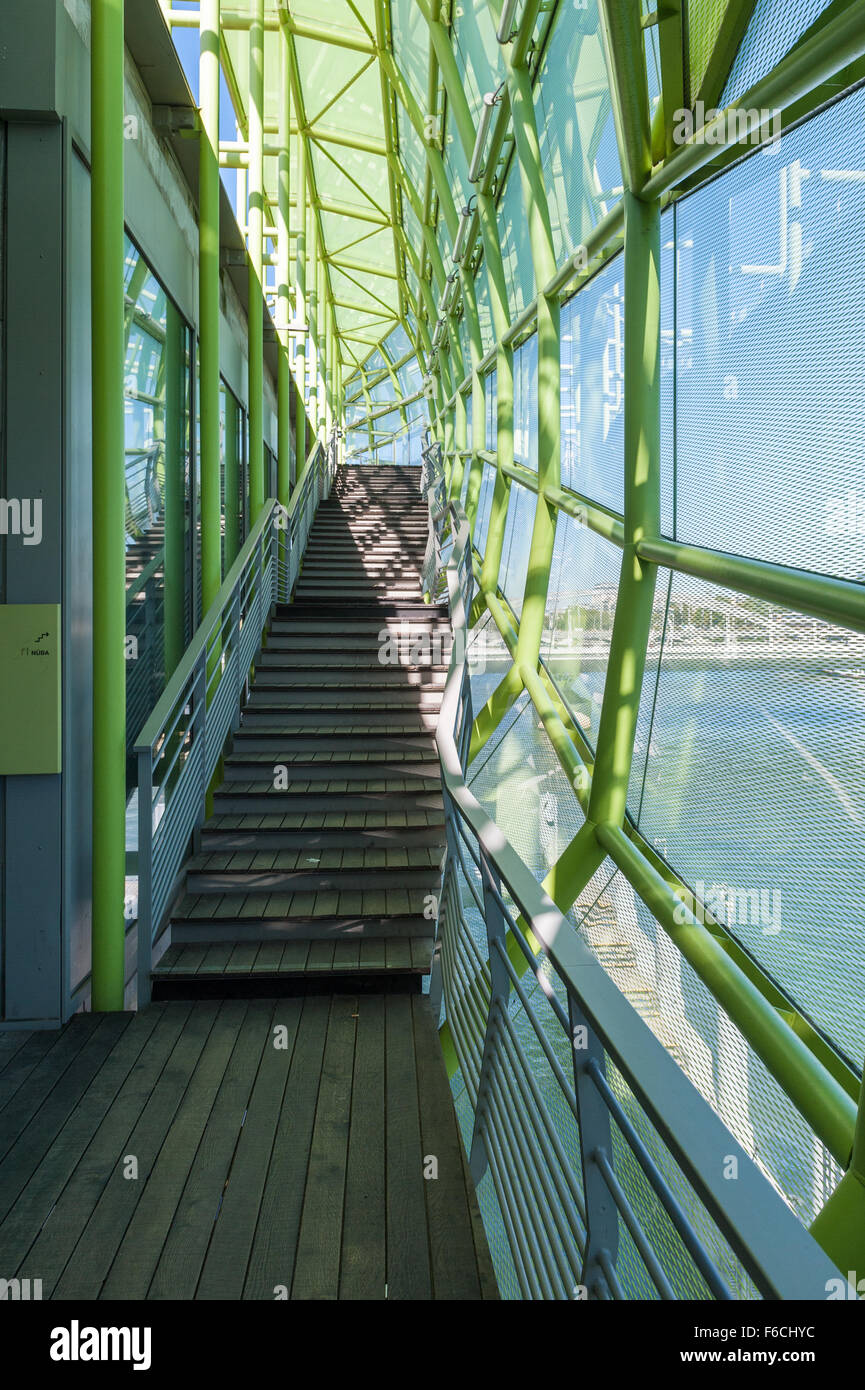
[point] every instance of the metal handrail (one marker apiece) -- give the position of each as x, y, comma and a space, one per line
178, 749
565, 1221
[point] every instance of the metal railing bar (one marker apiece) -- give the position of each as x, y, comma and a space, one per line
543, 1201
540, 1170
540, 1032
212, 618
542, 1287
687, 1124
638, 1235
663, 1191
512, 1043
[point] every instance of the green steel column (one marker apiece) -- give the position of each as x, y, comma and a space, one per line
500, 315
549, 366
232, 482
283, 485
840, 1226
300, 306
492, 562
174, 602
629, 89
633, 618
109, 565
460, 427
478, 442
312, 317
208, 300
321, 320
255, 223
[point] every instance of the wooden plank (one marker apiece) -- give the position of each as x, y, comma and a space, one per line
271, 1263
294, 954
192, 1226
363, 1268
320, 956
346, 955
186, 961
243, 957
34, 1138
408, 1272
268, 958
372, 953
451, 1240
22, 1061
37, 1199
316, 1273
139, 1250
216, 959
227, 1258
11, 1041
101, 1232
24, 1101
397, 953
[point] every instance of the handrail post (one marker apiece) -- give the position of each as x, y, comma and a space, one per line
199, 724
241, 674
500, 988
144, 942
595, 1134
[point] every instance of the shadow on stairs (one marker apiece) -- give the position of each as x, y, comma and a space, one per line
319, 867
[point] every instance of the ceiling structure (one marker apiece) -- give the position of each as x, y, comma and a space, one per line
338, 96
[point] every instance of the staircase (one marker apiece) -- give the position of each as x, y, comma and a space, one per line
322, 856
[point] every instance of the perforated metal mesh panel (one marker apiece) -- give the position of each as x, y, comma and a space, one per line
485, 502
775, 27
592, 399
581, 605
665, 990
755, 788
520, 781
704, 19
574, 119
526, 403
770, 419
515, 553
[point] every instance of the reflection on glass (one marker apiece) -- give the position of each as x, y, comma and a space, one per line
158, 490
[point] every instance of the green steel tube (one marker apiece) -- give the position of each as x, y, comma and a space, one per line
817, 1096
300, 305
255, 224
478, 442
174, 601
492, 561
627, 658
835, 600
549, 358
629, 89
459, 444
283, 477
109, 565
807, 67
208, 301
312, 315
232, 482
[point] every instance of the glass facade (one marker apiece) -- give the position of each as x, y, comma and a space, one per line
161, 578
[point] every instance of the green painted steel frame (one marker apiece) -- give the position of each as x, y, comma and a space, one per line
818, 1082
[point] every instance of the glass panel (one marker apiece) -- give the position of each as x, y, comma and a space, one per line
593, 388
770, 427
158, 491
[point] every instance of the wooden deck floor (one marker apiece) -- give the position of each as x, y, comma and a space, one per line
238, 1149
